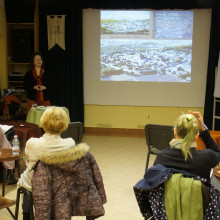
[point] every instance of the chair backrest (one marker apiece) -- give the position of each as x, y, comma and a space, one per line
75, 131
158, 136
11, 105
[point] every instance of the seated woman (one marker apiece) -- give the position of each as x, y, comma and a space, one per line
181, 158
182, 153
54, 121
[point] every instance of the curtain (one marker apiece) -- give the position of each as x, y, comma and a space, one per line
64, 67
20, 11
214, 49
147, 4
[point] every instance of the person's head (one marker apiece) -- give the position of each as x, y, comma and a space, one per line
36, 60
187, 129
54, 120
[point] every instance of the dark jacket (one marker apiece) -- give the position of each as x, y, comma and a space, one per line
151, 188
30, 82
68, 183
201, 162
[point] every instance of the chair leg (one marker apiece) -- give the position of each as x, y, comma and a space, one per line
17, 204
31, 205
18, 168
29, 194
4, 180
11, 213
147, 162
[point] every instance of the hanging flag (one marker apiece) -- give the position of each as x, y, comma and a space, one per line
56, 31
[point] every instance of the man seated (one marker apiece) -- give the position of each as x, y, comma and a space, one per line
5, 203
10, 165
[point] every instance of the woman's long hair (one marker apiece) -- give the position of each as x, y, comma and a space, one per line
187, 127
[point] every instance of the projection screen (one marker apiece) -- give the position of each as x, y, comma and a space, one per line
145, 58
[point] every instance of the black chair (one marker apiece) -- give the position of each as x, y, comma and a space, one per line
75, 131
158, 138
29, 194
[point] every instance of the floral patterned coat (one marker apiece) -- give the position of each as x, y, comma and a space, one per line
68, 183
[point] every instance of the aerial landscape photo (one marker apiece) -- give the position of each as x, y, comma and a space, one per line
145, 46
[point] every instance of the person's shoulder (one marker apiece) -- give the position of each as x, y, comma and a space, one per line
207, 152
32, 141
69, 141
207, 155
32, 145
168, 152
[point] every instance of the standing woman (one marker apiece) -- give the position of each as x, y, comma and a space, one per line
36, 83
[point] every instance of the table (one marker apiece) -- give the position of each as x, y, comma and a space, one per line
25, 132
215, 135
7, 155
34, 115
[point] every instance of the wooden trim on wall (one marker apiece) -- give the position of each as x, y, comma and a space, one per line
114, 131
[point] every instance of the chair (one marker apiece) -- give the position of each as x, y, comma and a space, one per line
11, 105
12, 108
151, 202
75, 131
19, 191
10, 212
158, 138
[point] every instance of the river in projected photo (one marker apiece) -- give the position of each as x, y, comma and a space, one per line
140, 49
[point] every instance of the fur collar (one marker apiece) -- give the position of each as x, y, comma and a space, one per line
64, 156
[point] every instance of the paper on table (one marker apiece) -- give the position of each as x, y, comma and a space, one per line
6, 128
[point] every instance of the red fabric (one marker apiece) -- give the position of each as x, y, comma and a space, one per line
40, 95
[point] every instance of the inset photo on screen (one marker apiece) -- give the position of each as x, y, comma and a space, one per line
149, 46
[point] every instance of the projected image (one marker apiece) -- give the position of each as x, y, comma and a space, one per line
153, 46
126, 22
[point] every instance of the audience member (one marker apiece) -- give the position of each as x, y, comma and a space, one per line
179, 161
5, 203
182, 153
9, 165
4, 143
54, 121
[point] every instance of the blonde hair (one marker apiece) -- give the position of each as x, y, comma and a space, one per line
54, 120
187, 126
